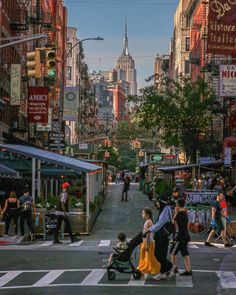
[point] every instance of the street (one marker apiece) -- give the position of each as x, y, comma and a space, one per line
44, 268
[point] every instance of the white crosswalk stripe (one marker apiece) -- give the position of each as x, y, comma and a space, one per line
48, 278
105, 243
46, 244
76, 244
9, 276
97, 277
227, 279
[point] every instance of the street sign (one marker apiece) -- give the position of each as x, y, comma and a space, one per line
54, 135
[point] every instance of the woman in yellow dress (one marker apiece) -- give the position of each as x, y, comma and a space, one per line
148, 264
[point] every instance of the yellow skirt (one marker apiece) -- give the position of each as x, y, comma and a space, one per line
148, 264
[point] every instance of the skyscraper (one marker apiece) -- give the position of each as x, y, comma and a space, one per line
125, 67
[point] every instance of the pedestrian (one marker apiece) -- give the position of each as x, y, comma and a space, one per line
26, 207
11, 209
216, 223
118, 177
181, 240
63, 215
162, 231
148, 263
125, 189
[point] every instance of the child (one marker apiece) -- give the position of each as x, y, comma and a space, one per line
181, 239
121, 246
148, 263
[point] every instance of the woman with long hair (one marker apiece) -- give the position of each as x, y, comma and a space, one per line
148, 264
11, 209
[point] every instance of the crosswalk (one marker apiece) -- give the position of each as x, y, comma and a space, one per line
100, 244
98, 278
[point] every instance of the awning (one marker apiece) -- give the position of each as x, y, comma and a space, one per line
189, 166
50, 157
6, 171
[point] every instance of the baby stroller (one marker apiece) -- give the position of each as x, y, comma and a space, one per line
122, 261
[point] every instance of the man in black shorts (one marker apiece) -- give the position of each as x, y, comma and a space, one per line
216, 223
181, 239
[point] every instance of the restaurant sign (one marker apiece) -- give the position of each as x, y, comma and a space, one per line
228, 80
221, 36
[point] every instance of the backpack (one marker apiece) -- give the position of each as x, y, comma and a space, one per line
169, 227
27, 206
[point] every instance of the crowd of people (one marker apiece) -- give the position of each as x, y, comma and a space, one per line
24, 209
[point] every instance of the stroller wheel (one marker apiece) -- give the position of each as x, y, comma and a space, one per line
111, 275
137, 274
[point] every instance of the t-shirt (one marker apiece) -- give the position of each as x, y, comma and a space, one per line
121, 246
218, 208
181, 219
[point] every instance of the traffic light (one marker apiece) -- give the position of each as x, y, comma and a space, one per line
33, 64
50, 63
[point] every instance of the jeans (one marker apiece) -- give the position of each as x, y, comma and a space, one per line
28, 217
126, 195
64, 218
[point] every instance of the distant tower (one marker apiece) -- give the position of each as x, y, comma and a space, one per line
125, 66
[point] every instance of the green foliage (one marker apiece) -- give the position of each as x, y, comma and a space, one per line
164, 187
180, 111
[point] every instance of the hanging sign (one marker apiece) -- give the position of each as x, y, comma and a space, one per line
228, 80
221, 35
15, 84
38, 105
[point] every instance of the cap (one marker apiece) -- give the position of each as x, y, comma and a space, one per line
65, 185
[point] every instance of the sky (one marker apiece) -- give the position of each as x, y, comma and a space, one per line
150, 28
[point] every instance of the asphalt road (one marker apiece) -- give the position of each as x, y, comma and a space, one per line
42, 268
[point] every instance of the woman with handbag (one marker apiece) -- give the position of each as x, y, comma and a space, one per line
162, 230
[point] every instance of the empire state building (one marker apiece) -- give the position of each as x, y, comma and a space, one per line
125, 67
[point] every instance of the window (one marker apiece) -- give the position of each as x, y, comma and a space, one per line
187, 44
68, 73
186, 67
69, 46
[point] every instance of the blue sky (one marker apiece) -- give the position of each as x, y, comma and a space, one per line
150, 27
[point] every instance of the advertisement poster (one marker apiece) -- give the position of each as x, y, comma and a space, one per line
38, 105
221, 36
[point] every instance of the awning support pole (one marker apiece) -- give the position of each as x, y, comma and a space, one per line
33, 178
87, 201
39, 179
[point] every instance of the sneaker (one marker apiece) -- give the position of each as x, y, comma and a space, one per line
160, 277
208, 244
228, 245
172, 272
186, 273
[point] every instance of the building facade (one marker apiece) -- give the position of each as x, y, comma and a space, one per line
125, 67
181, 40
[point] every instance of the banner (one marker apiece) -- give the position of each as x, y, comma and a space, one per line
15, 84
221, 36
71, 103
228, 80
38, 105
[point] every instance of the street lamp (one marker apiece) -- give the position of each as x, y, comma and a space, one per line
62, 84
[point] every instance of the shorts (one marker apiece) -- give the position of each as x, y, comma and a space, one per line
218, 226
181, 247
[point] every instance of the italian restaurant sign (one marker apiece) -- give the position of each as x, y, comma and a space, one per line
228, 80
38, 105
221, 37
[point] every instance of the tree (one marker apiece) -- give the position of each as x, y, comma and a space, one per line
182, 111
